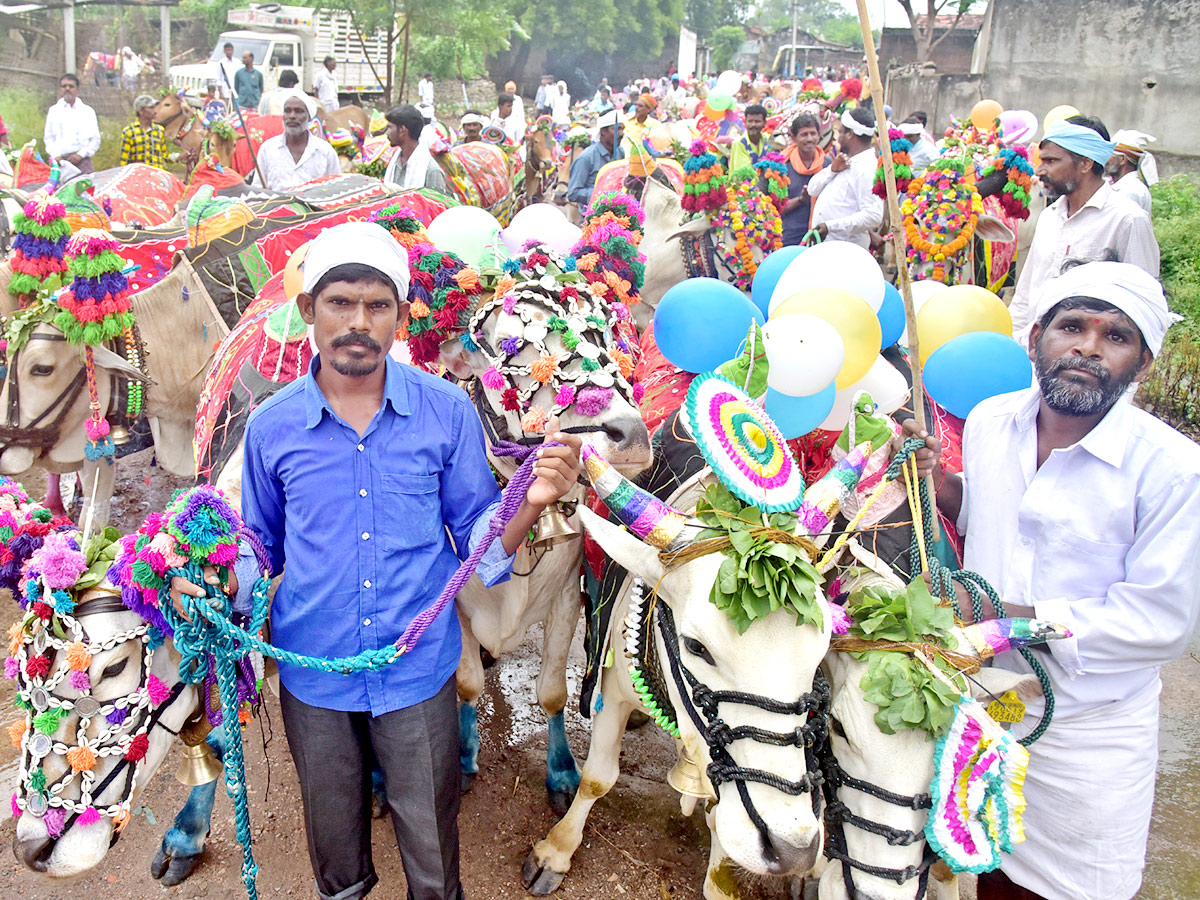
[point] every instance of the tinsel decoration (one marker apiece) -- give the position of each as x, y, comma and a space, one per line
39, 248
772, 168
607, 252
901, 162
703, 180
1014, 196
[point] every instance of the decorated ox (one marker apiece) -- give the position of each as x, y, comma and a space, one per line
541, 170
184, 126
480, 174
739, 689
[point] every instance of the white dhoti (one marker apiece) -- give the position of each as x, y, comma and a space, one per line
1090, 792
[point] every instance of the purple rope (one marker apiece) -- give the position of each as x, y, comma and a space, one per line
510, 502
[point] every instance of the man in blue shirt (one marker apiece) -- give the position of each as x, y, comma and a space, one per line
248, 83
353, 476
602, 151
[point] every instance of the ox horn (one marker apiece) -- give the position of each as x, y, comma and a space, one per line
641, 512
824, 500
995, 636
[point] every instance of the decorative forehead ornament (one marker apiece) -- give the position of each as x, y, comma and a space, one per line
742, 445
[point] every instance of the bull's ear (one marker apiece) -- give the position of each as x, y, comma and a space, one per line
989, 228
625, 548
990, 682
697, 227
454, 356
111, 362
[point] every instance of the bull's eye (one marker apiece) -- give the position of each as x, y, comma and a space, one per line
694, 647
112, 670
836, 727
41, 370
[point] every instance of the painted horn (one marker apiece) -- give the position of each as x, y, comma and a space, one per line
995, 636
656, 523
824, 499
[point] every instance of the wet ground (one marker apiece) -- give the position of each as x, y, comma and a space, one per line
637, 845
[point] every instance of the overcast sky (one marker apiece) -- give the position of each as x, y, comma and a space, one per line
882, 12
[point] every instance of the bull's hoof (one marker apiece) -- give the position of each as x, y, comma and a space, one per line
560, 801
171, 870
468, 781
537, 879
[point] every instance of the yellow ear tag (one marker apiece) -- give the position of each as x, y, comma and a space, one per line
1009, 708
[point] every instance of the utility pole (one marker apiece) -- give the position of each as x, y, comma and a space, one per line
69, 36
795, 12
164, 23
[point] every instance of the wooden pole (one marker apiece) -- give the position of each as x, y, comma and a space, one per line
899, 243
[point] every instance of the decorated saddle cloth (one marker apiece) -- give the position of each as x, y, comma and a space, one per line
138, 195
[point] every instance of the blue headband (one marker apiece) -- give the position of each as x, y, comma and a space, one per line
1081, 140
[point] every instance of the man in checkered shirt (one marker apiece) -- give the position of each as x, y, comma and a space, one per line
144, 141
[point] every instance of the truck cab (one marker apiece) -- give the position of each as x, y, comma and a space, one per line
273, 52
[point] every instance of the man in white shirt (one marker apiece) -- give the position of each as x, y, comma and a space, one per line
297, 156
1084, 510
72, 134
326, 85
131, 68
412, 166
1087, 219
225, 70
425, 90
508, 119
1132, 168
271, 103
844, 208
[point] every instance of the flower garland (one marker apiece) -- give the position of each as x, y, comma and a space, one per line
901, 164
772, 167
1015, 195
703, 180
39, 248
944, 204
607, 251
754, 222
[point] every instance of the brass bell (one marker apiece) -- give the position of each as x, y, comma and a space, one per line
552, 527
685, 776
119, 434
198, 765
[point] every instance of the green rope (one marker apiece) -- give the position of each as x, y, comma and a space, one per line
942, 581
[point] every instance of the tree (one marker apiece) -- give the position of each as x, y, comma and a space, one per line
705, 17
924, 25
725, 43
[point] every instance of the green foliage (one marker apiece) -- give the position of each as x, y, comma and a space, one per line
100, 552
759, 575
825, 19
882, 614
636, 29
215, 14
725, 43
707, 17
908, 695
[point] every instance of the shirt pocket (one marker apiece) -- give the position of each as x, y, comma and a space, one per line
412, 511
1073, 566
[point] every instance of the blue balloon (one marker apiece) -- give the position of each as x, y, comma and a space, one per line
891, 315
799, 415
702, 322
972, 367
768, 275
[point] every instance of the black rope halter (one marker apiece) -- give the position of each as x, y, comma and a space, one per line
36, 435
838, 816
703, 710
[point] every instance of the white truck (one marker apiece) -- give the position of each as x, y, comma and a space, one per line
297, 38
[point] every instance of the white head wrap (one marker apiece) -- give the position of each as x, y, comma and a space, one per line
471, 119
1135, 146
910, 129
1131, 289
357, 242
856, 126
607, 119
309, 103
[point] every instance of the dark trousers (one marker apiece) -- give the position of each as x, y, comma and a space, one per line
417, 749
997, 886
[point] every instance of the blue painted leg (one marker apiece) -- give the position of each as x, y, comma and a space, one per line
562, 775
183, 846
468, 744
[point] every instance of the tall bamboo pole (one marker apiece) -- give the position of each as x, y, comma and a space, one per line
899, 244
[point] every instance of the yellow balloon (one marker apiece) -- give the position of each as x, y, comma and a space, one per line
959, 310
854, 320
985, 113
293, 276
1057, 115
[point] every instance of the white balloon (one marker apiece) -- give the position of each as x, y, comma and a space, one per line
922, 291
805, 354
543, 222
837, 264
728, 82
884, 382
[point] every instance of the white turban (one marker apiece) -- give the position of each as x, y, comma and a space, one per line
309, 103
856, 126
357, 242
1135, 146
607, 119
1131, 289
471, 119
910, 129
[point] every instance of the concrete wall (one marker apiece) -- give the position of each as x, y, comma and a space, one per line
1132, 63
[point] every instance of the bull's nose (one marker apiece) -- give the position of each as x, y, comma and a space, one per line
785, 858
626, 432
33, 853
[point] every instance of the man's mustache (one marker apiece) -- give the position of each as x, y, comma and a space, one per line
357, 337
1086, 365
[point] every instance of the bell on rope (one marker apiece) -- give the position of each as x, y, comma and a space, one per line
685, 776
552, 527
198, 765
119, 434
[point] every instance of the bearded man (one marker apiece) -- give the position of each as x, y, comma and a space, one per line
296, 156
1084, 510
1086, 220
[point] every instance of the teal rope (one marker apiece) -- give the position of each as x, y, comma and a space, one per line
942, 581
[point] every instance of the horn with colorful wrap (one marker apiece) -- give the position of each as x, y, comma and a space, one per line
645, 515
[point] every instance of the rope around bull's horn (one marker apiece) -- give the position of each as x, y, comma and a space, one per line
207, 633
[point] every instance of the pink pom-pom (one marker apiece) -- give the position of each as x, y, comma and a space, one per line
565, 395
223, 554
841, 619
79, 681
88, 817
510, 304
16, 810
639, 391
492, 379
54, 819
156, 690
12, 668
593, 401
96, 429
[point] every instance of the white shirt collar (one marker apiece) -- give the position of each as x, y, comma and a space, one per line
1107, 441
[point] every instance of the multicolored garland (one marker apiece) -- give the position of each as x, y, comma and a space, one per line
607, 251
772, 168
947, 207
1015, 196
39, 248
24, 525
901, 163
753, 220
703, 180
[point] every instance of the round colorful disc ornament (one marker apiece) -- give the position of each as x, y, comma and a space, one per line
742, 445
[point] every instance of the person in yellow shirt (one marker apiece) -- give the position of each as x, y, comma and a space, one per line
637, 128
747, 149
